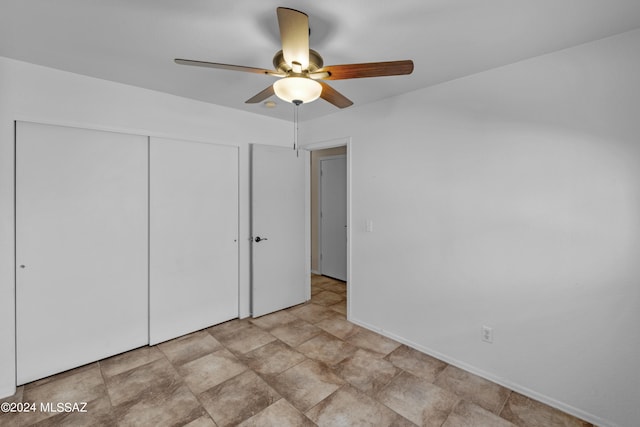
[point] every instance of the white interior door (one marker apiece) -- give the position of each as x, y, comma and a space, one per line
193, 237
333, 217
81, 247
279, 223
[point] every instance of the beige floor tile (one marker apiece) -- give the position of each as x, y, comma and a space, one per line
84, 384
367, 372
327, 298
150, 378
418, 400
238, 399
416, 362
467, 414
318, 279
306, 384
18, 419
272, 358
129, 360
295, 333
473, 388
373, 342
326, 348
341, 328
280, 414
316, 290
527, 412
203, 421
340, 308
62, 375
98, 413
289, 368
273, 320
98, 404
211, 370
189, 347
85, 381
245, 339
333, 286
171, 407
350, 407
313, 313
226, 327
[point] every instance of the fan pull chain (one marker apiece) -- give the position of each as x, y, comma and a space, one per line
295, 127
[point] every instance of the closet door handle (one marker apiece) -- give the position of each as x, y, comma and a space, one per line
260, 239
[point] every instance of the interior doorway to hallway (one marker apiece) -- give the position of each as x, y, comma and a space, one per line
329, 231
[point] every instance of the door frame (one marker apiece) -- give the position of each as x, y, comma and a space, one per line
321, 145
319, 181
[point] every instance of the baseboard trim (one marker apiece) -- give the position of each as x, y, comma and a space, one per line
590, 418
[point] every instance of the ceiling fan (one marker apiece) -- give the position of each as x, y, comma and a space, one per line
302, 71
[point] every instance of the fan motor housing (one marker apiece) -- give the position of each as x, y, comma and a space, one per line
315, 62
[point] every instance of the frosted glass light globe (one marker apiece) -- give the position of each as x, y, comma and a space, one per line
292, 89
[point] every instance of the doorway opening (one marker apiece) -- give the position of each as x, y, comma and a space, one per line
329, 226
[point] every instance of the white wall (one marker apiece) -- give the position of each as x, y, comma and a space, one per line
34, 93
510, 198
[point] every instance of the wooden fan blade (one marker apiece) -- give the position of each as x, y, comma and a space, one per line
228, 67
331, 95
261, 96
294, 33
368, 69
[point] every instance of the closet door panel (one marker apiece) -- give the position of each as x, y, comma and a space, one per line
81, 247
193, 236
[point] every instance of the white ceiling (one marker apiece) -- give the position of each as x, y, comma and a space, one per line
135, 41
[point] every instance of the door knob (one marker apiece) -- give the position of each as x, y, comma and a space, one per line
259, 239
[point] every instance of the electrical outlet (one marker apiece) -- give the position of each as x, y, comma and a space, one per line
487, 334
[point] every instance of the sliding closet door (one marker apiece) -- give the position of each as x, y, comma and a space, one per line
194, 236
81, 247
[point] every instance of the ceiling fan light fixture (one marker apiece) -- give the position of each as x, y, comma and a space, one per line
302, 69
293, 89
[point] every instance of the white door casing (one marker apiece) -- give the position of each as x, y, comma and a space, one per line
280, 276
193, 236
81, 247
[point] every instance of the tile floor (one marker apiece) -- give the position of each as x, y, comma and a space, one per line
303, 366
